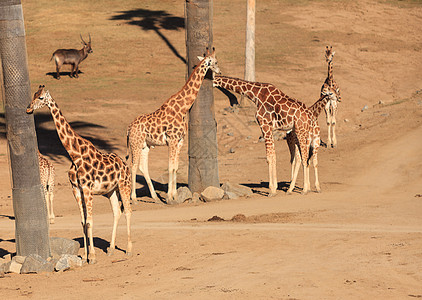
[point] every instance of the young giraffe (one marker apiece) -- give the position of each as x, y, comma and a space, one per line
275, 111
166, 126
47, 173
293, 143
91, 173
331, 106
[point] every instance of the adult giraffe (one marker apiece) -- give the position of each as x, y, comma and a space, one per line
276, 111
91, 173
166, 126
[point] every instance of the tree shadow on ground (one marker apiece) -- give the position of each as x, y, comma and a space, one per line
155, 20
48, 140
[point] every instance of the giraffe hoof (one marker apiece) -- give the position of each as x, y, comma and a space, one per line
51, 221
92, 261
304, 192
289, 192
129, 254
272, 194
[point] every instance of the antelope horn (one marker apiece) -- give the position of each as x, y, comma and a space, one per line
82, 39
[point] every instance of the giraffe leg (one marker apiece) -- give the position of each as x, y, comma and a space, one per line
115, 207
174, 153
295, 170
305, 154
143, 167
333, 123
78, 197
316, 144
124, 190
327, 109
87, 194
271, 158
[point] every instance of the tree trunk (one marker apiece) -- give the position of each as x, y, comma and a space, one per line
31, 226
203, 163
250, 46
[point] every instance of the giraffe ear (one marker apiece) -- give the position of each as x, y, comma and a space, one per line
200, 58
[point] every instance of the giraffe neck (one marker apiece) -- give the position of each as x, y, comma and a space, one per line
317, 107
330, 73
247, 88
66, 134
187, 95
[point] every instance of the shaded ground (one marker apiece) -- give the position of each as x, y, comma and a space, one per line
361, 238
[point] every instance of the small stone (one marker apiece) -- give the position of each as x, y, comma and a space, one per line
248, 137
196, 198
364, 108
36, 264
212, 193
19, 259
68, 261
261, 139
232, 150
346, 121
15, 267
230, 134
381, 102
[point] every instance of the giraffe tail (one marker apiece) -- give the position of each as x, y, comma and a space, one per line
127, 145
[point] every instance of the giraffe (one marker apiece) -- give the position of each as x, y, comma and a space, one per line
292, 141
91, 173
47, 173
331, 106
275, 111
166, 126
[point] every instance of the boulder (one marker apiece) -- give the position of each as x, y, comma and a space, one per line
68, 261
232, 189
183, 194
60, 246
212, 193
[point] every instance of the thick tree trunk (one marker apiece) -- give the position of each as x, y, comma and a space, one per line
31, 226
203, 163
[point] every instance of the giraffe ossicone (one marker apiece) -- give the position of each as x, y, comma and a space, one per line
91, 173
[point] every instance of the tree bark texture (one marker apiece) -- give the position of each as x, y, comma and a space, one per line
203, 162
31, 225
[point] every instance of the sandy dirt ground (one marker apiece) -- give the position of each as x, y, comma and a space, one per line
361, 238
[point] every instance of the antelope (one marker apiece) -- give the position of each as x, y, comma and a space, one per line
71, 57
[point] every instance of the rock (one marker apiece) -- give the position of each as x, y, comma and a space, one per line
68, 261
346, 121
230, 195
215, 219
381, 102
183, 194
364, 108
232, 150
36, 264
15, 267
230, 134
19, 259
212, 193
237, 189
60, 246
196, 198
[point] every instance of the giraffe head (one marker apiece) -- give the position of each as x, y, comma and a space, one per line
210, 61
40, 99
329, 54
331, 93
